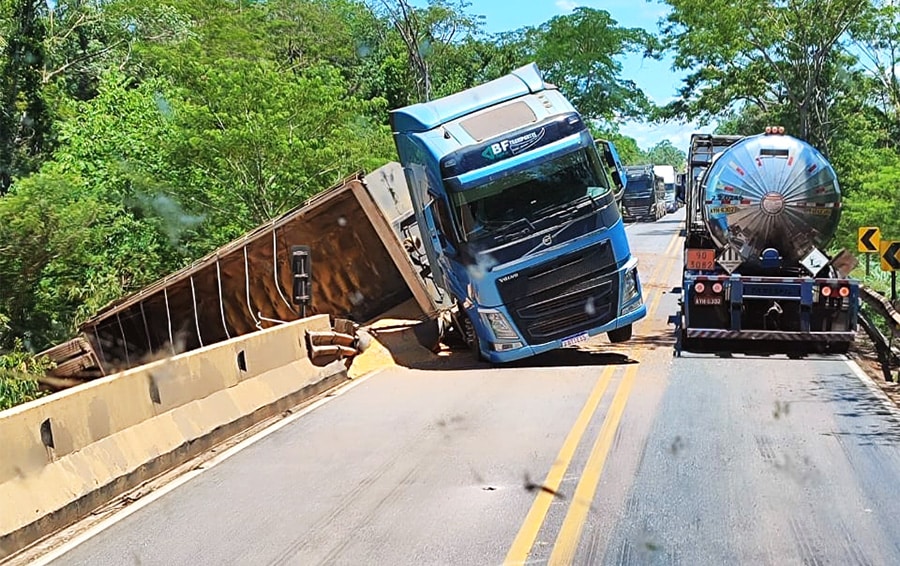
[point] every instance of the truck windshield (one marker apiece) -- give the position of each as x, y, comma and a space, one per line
638, 186
535, 198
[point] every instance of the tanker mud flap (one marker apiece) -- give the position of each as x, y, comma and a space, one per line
676, 320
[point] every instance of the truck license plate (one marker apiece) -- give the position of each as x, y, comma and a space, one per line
707, 300
572, 340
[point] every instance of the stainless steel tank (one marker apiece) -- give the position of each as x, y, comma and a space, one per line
771, 191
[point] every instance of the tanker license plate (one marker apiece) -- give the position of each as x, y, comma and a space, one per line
572, 340
707, 300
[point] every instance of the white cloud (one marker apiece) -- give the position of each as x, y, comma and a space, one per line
566, 5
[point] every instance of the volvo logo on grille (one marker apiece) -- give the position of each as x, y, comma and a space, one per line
547, 240
509, 277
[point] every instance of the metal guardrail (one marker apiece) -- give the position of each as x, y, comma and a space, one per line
888, 356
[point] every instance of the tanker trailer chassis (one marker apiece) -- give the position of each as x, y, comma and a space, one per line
793, 316
758, 210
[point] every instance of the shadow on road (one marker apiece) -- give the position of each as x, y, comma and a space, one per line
657, 232
855, 402
416, 346
665, 220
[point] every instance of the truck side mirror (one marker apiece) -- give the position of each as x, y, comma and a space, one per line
611, 158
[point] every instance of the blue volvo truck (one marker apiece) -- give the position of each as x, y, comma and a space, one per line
518, 206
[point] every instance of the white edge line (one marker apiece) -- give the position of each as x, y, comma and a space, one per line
146, 500
876, 390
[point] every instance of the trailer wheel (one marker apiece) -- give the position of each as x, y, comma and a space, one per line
620, 334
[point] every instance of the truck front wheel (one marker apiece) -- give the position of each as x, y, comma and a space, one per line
620, 334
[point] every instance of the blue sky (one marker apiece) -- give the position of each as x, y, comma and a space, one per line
655, 78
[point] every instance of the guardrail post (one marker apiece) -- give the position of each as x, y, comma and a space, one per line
893, 286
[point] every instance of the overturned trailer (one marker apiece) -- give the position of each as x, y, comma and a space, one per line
363, 258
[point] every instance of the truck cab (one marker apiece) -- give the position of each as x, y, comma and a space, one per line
645, 194
518, 207
667, 172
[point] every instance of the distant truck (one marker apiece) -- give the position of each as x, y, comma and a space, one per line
760, 211
667, 172
645, 194
518, 209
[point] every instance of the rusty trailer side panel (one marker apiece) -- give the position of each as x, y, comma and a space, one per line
246, 285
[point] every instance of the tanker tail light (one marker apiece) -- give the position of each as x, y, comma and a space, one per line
715, 289
833, 292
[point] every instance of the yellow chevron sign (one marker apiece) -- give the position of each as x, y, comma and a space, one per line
868, 240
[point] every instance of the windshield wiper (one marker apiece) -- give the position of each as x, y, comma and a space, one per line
500, 228
508, 230
567, 209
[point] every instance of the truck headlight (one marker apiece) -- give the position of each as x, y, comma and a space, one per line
630, 290
498, 324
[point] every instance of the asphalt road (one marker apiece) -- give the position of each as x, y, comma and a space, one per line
605, 455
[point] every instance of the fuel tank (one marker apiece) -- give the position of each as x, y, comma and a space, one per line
771, 191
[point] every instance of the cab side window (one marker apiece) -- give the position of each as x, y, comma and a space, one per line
445, 224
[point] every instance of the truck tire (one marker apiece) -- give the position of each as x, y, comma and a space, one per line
620, 334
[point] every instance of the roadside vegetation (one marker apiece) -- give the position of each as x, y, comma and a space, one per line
19, 373
136, 136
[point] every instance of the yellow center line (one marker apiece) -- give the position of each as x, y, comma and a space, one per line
570, 533
671, 245
528, 532
573, 524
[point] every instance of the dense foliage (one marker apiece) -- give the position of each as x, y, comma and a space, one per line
824, 69
19, 371
136, 136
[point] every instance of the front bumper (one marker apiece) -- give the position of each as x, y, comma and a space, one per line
533, 350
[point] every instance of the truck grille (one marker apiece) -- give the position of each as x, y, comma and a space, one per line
565, 296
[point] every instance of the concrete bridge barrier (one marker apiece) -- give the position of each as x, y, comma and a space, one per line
64, 455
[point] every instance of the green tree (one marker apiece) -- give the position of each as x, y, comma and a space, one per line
23, 114
258, 142
665, 153
579, 53
436, 40
785, 58
876, 35
19, 374
47, 226
626, 147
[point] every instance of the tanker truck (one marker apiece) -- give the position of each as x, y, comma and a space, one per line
760, 211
